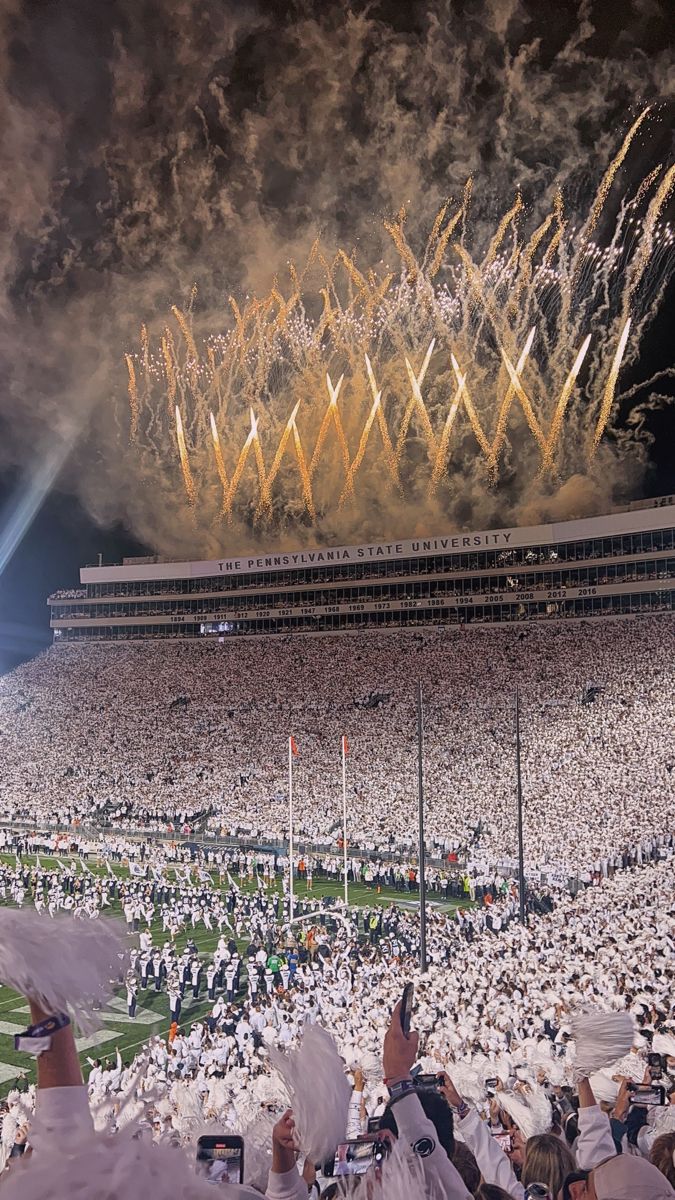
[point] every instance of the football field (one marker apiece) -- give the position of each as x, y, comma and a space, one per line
152, 1012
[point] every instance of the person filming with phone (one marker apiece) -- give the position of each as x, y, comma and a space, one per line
425, 1124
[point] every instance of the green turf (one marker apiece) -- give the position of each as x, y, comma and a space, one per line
130, 1036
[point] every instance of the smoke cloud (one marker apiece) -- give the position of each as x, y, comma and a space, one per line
151, 146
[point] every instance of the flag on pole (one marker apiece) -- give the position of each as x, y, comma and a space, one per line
294, 745
345, 744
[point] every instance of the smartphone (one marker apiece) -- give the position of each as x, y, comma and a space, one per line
655, 1065
504, 1140
428, 1083
355, 1158
491, 1086
648, 1095
373, 1125
220, 1158
406, 1007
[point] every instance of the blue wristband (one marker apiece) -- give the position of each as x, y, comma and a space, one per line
402, 1088
38, 1038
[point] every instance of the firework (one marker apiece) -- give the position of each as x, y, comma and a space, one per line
184, 460
133, 398
440, 463
610, 387
220, 462
241, 462
509, 355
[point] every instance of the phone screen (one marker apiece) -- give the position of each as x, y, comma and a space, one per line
406, 1007
354, 1158
651, 1097
221, 1159
427, 1083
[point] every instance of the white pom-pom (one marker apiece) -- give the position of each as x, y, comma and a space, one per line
60, 962
401, 1177
531, 1110
664, 1043
88, 1166
318, 1091
601, 1038
258, 1156
468, 1081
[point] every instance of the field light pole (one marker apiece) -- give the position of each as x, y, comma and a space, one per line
291, 888
519, 788
420, 791
344, 817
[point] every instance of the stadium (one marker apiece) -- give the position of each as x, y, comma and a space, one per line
337, 771
146, 775
617, 565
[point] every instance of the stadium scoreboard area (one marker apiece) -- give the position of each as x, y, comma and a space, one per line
619, 564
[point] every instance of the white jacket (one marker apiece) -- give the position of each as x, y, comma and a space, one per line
494, 1165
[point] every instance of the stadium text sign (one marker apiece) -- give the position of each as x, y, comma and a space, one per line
355, 554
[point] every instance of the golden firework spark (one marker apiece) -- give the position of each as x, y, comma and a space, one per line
610, 174
417, 403
241, 463
556, 424
218, 454
133, 398
521, 316
610, 387
265, 501
170, 373
646, 246
441, 456
184, 460
348, 489
502, 419
304, 473
328, 420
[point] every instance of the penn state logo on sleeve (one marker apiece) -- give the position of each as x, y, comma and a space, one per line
424, 1146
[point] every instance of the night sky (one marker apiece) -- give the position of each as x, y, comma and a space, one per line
147, 145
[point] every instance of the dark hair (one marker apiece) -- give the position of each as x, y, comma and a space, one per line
464, 1161
491, 1191
437, 1109
662, 1155
571, 1129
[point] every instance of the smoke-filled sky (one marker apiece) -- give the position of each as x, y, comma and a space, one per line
148, 146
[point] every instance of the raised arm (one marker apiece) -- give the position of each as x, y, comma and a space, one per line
494, 1164
441, 1177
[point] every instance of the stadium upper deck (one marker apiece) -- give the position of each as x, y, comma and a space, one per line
617, 564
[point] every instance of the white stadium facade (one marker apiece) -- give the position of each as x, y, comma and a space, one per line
617, 565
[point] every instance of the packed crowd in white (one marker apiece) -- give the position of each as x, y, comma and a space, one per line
119, 742
154, 736
496, 1004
